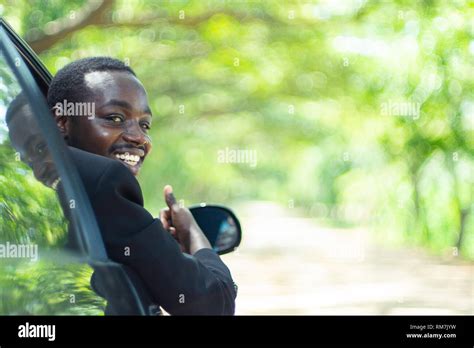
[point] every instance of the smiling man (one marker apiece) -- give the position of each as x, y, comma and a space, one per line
172, 256
119, 128
27, 138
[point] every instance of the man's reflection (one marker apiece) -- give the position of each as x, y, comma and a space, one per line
27, 139
227, 234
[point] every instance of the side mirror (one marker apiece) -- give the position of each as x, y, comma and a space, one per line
220, 225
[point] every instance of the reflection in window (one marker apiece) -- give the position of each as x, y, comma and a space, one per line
39, 271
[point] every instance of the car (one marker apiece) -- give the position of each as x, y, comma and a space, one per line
38, 273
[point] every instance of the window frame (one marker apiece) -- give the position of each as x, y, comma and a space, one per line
34, 79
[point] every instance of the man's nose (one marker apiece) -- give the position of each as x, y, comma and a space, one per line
134, 134
41, 170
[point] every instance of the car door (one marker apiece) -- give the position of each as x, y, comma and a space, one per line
50, 242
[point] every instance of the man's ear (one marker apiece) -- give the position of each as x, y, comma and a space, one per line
63, 124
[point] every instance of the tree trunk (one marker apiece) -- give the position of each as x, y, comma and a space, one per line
463, 214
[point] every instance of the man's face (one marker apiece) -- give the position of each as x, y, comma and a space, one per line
122, 119
28, 140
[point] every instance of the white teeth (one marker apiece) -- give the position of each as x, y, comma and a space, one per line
126, 157
55, 183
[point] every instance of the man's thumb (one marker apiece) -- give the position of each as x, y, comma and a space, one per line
169, 198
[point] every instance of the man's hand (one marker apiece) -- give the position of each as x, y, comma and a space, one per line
181, 224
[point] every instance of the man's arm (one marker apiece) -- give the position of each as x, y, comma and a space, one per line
179, 221
180, 283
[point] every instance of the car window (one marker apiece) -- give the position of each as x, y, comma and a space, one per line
59, 283
42, 267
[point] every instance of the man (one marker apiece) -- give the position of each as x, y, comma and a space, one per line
27, 138
121, 119
184, 278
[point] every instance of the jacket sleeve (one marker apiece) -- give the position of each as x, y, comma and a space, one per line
182, 284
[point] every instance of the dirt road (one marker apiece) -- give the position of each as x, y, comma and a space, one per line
290, 265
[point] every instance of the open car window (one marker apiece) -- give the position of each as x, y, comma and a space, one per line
43, 268
44, 208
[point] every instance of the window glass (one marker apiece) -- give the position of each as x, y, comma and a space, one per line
41, 269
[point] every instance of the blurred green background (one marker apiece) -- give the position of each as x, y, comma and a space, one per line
313, 88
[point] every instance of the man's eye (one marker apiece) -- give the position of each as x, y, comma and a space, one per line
115, 118
146, 126
40, 148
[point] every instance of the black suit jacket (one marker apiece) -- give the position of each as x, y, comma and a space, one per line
180, 283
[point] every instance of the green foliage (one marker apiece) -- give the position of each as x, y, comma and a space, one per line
46, 288
52, 281
31, 215
30, 212
308, 86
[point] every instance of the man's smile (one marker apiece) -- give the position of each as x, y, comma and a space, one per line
132, 157
127, 158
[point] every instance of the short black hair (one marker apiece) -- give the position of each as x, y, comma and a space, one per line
68, 84
15, 106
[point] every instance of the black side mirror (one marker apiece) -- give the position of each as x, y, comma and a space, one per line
220, 225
